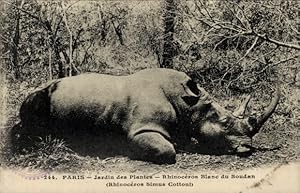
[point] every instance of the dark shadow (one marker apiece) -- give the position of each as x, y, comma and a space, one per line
207, 146
265, 149
102, 145
98, 145
218, 150
109, 143
205, 149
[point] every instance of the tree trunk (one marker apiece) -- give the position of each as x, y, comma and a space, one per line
70, 53
169, 28
61, 70
70, 39
50, 63
16, 41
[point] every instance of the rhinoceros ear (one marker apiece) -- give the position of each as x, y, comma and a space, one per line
191, 88
191, 95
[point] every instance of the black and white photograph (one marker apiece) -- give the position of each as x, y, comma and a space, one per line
149, 96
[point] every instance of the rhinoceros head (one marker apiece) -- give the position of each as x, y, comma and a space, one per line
219, 129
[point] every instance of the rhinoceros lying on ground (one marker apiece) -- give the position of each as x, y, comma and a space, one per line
154, 108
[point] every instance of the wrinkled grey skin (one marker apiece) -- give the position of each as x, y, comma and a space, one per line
155, 109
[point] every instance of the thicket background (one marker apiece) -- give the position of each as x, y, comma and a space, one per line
230, 47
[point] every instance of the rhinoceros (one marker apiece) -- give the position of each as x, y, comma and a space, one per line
154, 109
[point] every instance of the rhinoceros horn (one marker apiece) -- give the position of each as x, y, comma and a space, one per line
258, 122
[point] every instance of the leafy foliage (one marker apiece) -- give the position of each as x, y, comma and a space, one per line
238, 45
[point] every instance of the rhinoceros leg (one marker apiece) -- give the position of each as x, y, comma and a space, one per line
152, 146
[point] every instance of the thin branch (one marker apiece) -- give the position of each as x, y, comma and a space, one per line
3, 54
264, 37
264, 55
264, 69
243, 13
276, 42
73, 3
44, 24
249, 50
236, 16
275, 64
70, 38
208, 13
57, 26
212, 23
28, 13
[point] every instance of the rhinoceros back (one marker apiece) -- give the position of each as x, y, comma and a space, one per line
90, 100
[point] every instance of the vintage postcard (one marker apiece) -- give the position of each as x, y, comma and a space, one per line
149, 96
